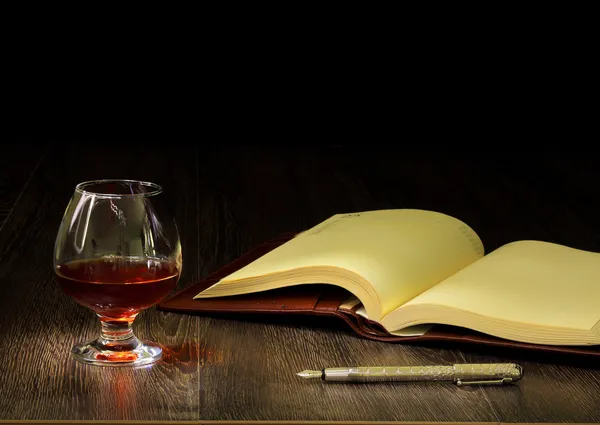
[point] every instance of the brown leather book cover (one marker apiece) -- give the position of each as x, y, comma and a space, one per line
325, 301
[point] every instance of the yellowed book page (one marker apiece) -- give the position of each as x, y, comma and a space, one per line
400, 252
527, 282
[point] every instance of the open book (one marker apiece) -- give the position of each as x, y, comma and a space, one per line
409, 269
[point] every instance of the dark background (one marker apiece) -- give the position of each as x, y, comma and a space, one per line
504, 191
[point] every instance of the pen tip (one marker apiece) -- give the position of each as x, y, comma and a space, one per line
308, 374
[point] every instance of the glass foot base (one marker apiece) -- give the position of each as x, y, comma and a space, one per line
132, 352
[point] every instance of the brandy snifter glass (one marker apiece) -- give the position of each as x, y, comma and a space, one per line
117, 252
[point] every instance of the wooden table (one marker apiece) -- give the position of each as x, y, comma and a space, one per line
227, 199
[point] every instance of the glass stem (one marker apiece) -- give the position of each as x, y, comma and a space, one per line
117, 334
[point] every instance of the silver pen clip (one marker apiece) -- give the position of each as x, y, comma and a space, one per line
460, 383
486, 374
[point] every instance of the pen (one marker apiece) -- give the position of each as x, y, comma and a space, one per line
460, 374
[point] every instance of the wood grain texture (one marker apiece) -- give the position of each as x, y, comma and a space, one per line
17, 167
227, 199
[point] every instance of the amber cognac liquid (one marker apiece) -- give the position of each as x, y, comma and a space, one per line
117, 287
